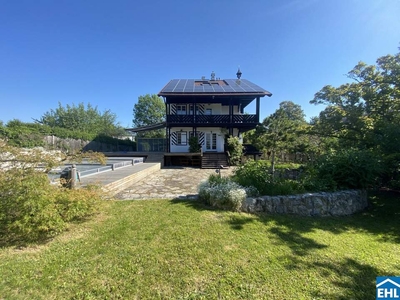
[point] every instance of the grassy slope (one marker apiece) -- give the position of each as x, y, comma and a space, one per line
182, 250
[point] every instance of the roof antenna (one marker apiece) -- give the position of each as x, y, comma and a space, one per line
239, 73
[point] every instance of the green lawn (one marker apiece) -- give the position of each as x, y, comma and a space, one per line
183, 250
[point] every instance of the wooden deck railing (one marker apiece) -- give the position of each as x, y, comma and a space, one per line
211, 119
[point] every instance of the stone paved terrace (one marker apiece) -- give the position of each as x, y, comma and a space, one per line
168, 183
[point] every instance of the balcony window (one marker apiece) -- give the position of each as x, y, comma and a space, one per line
181, 109
191, 112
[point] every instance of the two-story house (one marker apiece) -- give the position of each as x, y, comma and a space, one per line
209, 109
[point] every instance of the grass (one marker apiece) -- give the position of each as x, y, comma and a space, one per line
182, 250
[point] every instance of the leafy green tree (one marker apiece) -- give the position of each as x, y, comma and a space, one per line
280, 131
82, 119
149, 110
365, 114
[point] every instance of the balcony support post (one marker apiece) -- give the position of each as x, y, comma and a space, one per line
168, 138
194, 110
230, 117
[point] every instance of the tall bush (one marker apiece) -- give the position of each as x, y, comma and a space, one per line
30, 135
235, 149
30, 207
194, 146
258, 174
345, 169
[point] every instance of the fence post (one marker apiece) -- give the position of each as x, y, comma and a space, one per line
73, 176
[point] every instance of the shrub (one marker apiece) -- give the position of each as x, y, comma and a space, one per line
30, 207
194, 146
215, 179
346, 169
235, 149
257, 174
74, 205
27, 208
222, 193
252, 173
29, 135
391, 174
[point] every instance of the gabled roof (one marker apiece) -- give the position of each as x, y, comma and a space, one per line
219, 87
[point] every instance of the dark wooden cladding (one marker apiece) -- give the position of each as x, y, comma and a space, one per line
200, 120
184, 119
250, 119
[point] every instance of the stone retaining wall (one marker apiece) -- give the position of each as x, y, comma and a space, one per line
311, 204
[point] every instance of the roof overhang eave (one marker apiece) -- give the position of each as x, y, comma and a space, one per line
147, 128
215, 94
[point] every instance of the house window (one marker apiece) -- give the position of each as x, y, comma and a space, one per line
182, 138
181, 109
208, 111
191, 112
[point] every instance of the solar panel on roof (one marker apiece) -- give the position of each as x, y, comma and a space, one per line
181, 86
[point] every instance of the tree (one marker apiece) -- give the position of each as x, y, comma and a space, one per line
149, 110
83, 119
22, 134
365, 114
280, 130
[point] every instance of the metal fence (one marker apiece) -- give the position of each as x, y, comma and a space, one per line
110, 167
151, 145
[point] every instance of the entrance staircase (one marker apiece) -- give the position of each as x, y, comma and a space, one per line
212, 160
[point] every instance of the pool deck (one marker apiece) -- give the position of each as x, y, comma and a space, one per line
116, 181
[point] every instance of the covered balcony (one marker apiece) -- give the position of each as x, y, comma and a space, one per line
212, 120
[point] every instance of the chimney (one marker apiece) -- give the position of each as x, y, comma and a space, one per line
212, 75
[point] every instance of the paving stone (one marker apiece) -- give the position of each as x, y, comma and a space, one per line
170, 183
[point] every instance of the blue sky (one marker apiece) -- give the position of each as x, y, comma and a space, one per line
108, 53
